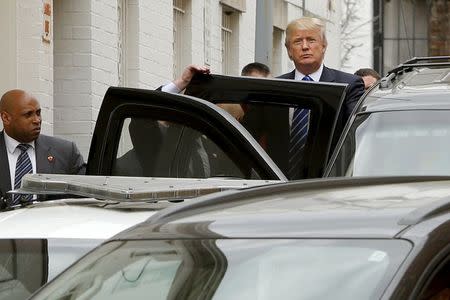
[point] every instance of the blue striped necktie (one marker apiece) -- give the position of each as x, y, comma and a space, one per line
299, 133
23, 166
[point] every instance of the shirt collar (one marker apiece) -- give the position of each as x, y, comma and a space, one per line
11, 144
315, 76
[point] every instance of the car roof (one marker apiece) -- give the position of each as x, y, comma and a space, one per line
416, 88
69, 219
324, 208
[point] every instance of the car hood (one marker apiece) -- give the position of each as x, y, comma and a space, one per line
68, 218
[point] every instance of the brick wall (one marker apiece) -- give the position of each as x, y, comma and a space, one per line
8, 48
86, 64
247, 30
73, 76
35, 58
104, 52
439, 28
155, 43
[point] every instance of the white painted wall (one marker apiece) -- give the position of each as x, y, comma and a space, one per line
8, 48
34, 58
247, 31
104, 51
71, 74
73, 59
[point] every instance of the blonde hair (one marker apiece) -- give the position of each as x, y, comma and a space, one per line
306, 23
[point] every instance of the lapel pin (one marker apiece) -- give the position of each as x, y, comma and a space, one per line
50, 158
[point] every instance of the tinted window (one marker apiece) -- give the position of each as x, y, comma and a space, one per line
396, 143
158, 148
27, 264
270, 125
233, 269
438, 286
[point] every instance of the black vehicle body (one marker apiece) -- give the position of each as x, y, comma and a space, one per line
405, 210
400, 126
421, 217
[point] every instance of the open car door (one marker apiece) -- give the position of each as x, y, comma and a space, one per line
265, 108
157, 134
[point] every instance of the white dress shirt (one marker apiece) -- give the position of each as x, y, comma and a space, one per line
170, 88
299, 76
13, 155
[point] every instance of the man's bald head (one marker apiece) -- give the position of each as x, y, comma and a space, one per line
21, 115
8, 99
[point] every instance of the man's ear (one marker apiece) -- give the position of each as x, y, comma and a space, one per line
5, 117
289, 53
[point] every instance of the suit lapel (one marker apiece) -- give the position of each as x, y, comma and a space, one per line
292, 74
43, 162
5, 180
327, 75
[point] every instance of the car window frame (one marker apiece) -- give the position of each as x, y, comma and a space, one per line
120, 103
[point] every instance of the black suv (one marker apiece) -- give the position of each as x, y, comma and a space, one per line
401, 126
347, 238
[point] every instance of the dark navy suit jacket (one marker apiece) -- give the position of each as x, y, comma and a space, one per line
354, 91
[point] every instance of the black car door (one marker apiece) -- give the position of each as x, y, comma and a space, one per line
267, 107
157, 134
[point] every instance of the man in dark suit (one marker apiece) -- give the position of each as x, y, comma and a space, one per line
306, 44
24, 150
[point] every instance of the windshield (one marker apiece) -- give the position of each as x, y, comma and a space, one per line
396, 143
232, 269
27, 264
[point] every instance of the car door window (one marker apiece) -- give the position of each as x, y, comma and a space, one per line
23, 267
438, 286
395, 143
270, 126
182, 137
158, 148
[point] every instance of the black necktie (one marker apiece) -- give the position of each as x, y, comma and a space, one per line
299, 133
